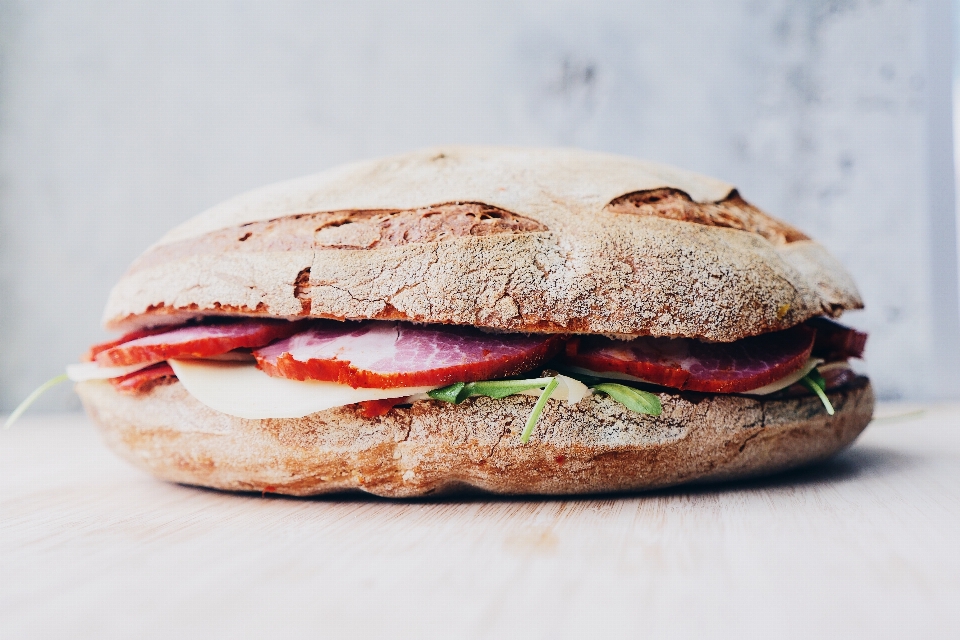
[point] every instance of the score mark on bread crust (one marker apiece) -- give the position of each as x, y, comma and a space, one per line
732, 212
360, 229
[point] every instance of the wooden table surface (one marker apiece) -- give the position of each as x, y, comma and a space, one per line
866, 545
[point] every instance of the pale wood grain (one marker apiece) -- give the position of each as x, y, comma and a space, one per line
863, 546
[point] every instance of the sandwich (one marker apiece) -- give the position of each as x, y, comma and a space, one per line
506, 320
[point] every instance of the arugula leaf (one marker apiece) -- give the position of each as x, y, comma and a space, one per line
503, 388
460, 391
449, 394
633, 399
815, 382
538, 409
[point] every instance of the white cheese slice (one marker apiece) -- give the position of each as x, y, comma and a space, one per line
93, 371
240, 389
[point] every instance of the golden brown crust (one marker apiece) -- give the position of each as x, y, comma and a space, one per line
548, 240
432, 447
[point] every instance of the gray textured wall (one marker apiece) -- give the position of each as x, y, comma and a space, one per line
120, 119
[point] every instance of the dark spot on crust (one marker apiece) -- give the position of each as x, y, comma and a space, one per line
301, 290
333, 223
367, 229
390, 312
733, 212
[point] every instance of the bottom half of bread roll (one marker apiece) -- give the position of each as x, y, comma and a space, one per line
432, 447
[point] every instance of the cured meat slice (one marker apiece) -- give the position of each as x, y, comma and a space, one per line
145, 379
97, 349
197, 341
385, 355
377, 408
837, 342
684, 363
836, 378
836, 374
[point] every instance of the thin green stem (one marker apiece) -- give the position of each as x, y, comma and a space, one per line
39, 391
812, 384
538, 409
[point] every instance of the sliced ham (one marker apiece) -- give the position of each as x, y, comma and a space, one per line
385, 355
196, 341
682, 363
97, 349
145, 379
837, 342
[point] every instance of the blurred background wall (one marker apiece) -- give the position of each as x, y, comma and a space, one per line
120, 119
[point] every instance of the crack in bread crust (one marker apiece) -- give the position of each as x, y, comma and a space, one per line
733, 213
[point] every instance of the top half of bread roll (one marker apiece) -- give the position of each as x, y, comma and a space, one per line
519, 240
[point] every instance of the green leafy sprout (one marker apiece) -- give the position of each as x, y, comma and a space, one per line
538, 409
633, 399
815, 382
460, 391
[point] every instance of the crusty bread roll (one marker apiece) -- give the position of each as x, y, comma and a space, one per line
432, 447
511, 240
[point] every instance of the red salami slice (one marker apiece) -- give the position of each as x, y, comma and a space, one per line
145, 379
385, 355
683, 363
837, 342
197, 341
97, 349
